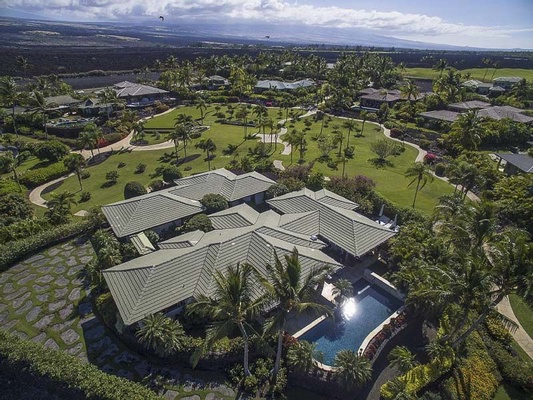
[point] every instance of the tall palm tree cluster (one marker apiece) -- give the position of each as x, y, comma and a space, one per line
462, 265
241, 296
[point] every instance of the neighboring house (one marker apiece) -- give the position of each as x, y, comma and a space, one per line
440, 115
236, 189
184, 266
262, 86
136, 93
215, 82
496, 112
93, 107
468, 105
478, 86
62, 102
500, 112
170, 207
375, 98
507, 82
516, 163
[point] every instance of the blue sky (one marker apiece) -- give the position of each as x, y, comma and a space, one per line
479, 23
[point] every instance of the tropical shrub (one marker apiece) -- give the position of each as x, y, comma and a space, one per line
67, 371
112, 176
22, 229
36, 177
19, 249
133, 189
140, 168
85, 196
107, 308
170, 173
121, 164
9, 186
440, 169
214, 203
52, 150
513, 368
14, 207
497, 330
156, 185
85, 174
199, 222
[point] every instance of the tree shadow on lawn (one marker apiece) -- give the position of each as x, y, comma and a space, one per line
107, 184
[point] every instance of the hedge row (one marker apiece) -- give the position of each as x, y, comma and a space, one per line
34, 178
63, 369
17, 250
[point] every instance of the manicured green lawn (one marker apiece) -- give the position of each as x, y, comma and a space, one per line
476, 73
30, 163
508, 392
523, 312
390, 180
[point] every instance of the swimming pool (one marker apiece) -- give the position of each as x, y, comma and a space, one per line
358, 316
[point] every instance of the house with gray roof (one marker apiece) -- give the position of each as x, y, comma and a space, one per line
477, 86
310, 213
516, 163
468, 105
61, 102
263, 85
374, 98
440, 115
492, 112
170, 207
139, 93
500, 112
507, 82
184, 266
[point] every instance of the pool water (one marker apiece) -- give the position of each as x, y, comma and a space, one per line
358, 316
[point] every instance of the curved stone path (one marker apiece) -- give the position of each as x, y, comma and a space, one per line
45, 299
520, 335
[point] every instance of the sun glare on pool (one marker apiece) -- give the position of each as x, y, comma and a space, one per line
349, 308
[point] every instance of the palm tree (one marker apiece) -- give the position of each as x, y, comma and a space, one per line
9, 163
488, 63
201, 105
86, 139
59, 207
11, 96
108, 96
76, 163
350, 125
138, 130
242, 113
353, 370
410, 91
364, 115
338, 138
342, 290
23, 64
38, 101
302, 356
183, 132
467, 130
208, 146
401, 358
290, 290
161, 334
441, 66
231, 307
421, 174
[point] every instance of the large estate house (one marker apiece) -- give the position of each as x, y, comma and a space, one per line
321, 225
263, 85
484, 110
134, 93
373, 99
170, 207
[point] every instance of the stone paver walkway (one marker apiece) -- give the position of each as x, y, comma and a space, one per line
520, 335
45, 299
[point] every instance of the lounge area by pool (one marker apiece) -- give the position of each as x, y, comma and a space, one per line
358, 316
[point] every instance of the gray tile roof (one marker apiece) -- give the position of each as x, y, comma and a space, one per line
469, 105
148, 211
441, 115
234, 217
345, 228
62, 100
151, 283
279, 85
126, 89
511, 79
232, 187
500, 112
305, 197
520, 161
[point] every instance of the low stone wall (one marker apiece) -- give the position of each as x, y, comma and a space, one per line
382, 283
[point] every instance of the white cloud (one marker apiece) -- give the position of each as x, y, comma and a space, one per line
274, 11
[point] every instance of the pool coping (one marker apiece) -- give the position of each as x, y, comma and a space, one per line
372, 278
